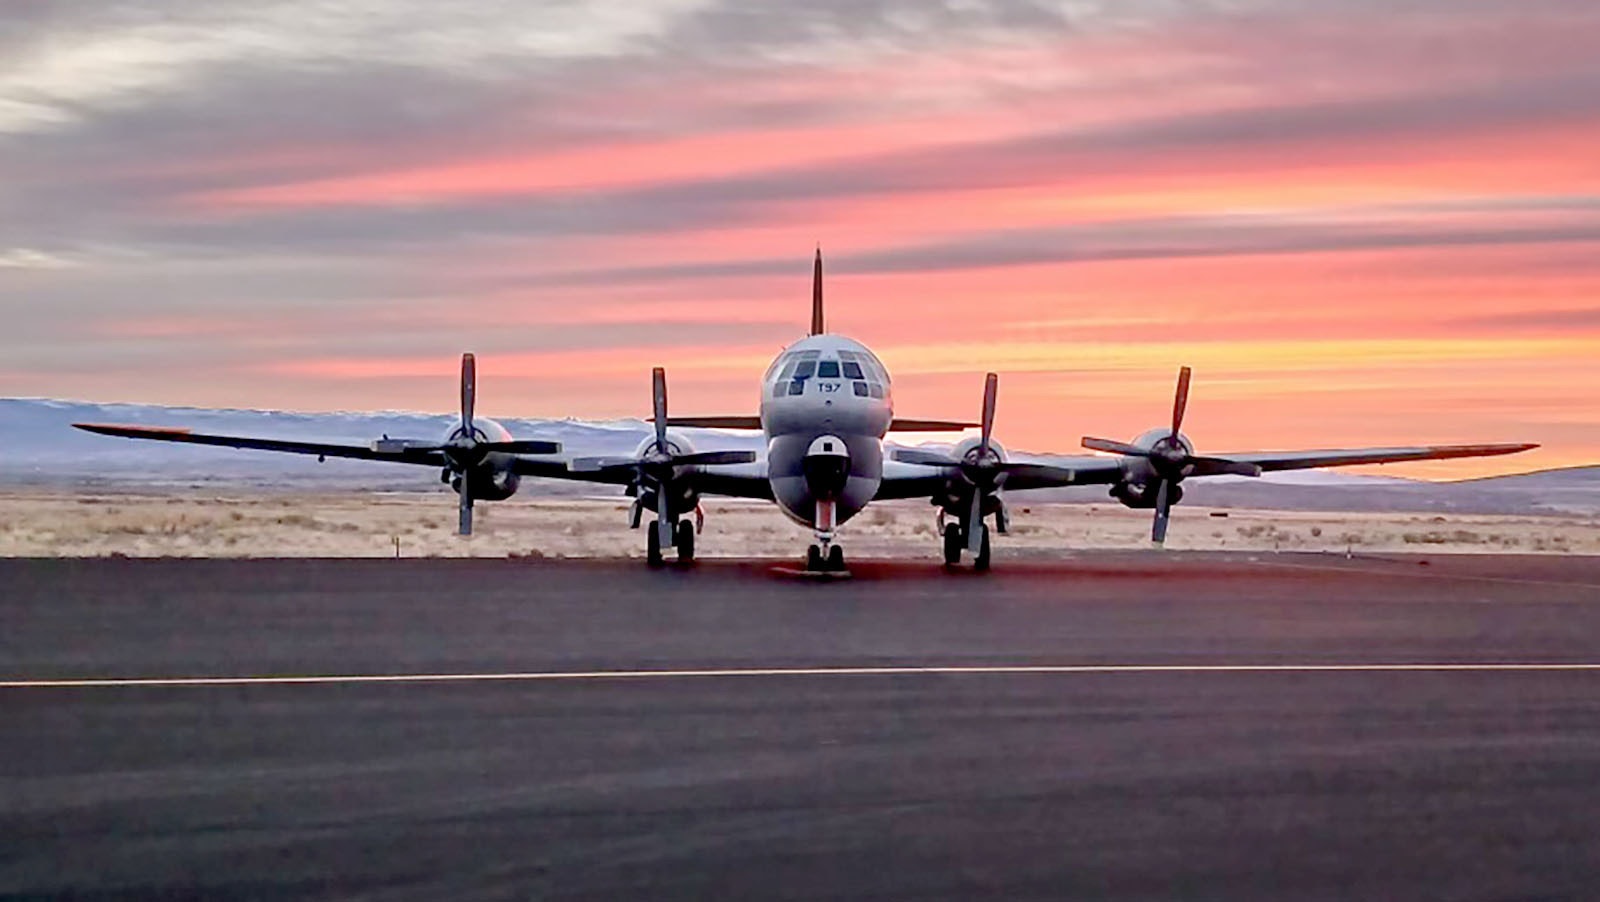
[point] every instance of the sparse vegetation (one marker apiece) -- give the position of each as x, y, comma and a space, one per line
355, 524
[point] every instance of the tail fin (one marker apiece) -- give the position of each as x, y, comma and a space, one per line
816, 296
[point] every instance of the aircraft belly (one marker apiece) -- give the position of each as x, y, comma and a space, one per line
785, 456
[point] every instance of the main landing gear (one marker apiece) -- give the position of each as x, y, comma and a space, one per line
682, 532
955, 542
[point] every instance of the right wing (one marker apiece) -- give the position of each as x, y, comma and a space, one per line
391, 450
732, 481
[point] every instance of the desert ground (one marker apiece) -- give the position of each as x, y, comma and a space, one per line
56, 523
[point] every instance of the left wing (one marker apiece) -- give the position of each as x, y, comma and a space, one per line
1270, 461
904, 479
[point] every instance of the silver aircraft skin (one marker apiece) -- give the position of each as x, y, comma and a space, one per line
826, 409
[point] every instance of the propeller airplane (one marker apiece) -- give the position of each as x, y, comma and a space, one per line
826, 409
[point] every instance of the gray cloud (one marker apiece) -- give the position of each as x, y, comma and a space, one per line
1142, 239
1536, 320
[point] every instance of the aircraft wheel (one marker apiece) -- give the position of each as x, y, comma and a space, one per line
953, 544
652, 545
814, 559
685, 541
836, 559
981, 562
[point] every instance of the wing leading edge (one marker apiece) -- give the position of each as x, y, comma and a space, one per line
390, 450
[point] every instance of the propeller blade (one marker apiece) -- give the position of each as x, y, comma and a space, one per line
598, 464
714, 458
991, 390
1158, 533
1221, 466
924, 458
1114, 447
1180, 402
521, 447
469, 393
975, 523
664, 515
1042, 472
658, 391
465, 528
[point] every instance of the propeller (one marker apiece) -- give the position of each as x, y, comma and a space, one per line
466, 449
659, 463
1172, 460
982, 466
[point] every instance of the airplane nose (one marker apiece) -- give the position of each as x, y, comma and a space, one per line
826, 467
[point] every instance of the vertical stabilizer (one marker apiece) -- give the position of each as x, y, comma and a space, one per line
816, 296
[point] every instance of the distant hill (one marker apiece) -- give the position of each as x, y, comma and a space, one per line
39, 447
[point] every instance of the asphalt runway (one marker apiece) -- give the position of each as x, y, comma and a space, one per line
593, 730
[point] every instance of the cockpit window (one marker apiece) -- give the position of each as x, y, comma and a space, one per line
852, 370
828, 369
805, 369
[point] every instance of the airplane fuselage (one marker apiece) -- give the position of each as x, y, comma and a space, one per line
826, 404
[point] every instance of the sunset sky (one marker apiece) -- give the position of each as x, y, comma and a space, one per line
1361, 222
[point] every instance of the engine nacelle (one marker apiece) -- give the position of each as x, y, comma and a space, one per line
680, 493
957, 498
1142, 495
490, 481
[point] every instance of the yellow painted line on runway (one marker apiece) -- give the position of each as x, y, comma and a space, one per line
601, 675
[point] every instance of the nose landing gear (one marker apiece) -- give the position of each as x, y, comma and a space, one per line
825, 557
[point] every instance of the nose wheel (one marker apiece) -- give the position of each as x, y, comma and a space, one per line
825, 559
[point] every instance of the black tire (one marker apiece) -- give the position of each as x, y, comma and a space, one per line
836, 559
981, 562
953, 544
814, 559
685, 541
652, 545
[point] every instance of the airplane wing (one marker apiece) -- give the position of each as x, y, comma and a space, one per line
913, 480
898, 424
746, 480
908, 480
1270, 461
389, 450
